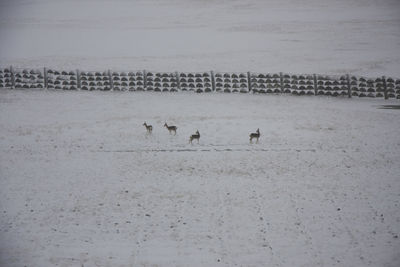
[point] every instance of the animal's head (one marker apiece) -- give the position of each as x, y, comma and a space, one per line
165, 125
258, 130
144, 123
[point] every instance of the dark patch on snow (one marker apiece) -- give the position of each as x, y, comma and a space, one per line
389, 107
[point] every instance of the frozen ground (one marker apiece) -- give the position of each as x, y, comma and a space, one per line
295, 36
81, 184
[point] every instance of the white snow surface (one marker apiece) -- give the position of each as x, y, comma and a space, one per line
82, 184
359, 37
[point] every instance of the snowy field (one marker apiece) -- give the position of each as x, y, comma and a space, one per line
360, 37
82, 184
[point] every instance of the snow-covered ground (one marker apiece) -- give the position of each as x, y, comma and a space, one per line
81, 184
297, 36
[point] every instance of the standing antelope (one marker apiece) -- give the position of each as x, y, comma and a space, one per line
171, 128
195, 136
149, 128
255, 135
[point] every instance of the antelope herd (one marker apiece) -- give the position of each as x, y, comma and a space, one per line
195, 136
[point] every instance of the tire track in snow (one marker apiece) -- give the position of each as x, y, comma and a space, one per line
300, 226
263, 227
206, 150
225, 209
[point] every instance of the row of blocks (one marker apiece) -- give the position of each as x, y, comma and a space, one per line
325, 85
201, 82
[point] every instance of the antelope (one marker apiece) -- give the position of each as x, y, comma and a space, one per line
170, 128
149, 128
195, 136
255, 135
